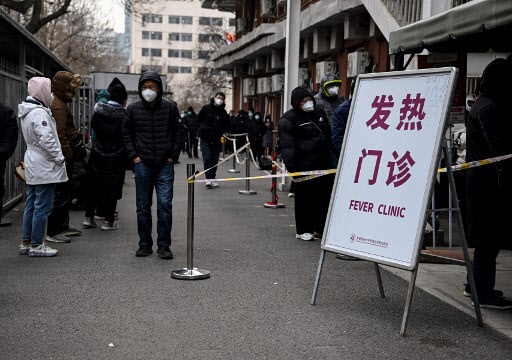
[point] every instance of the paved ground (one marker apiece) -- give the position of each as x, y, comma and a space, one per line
96, 293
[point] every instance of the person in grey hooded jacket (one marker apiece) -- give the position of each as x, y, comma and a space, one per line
44, 165
328, 98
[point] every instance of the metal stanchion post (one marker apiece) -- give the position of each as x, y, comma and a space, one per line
274, 204
234, 170
247, 190
190, 272
223, 150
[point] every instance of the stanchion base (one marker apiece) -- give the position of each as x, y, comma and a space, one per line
247, 192
273, 205
194, 274
234, 171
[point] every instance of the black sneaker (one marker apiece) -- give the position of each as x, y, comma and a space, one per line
467, 292
165, 253
71, 232
496, 302
144, 251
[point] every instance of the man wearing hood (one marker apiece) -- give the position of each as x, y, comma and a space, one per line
153, 138
328, 98
8, 142
107, 163
44, 165
489, 187
213, 123
64, 86
305, 144
190, 121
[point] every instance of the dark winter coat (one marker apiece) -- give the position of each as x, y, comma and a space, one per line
239, 124
190, 121
153, 131
304, 137
107, 162
213, 122
8, 132
339, 125
256, 129
326, 102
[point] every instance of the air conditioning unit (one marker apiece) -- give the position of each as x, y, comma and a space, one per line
260, 64
264, 85
277, 83
277, 59
241, 25
324, 67
249, 87
303, 75
267, 8
357, 61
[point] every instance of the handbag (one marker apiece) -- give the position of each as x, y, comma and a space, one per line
19, 171
265, 163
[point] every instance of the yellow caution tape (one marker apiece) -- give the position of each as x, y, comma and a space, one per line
477, 163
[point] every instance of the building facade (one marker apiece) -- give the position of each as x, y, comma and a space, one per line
176, 38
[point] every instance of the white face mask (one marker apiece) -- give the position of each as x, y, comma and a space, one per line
309, 106
257, 117
149, 95
333, 90
250, 114
218, 102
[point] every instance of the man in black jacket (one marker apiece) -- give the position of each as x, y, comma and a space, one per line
153, 138
305, 144
8, 142
213, 123
190, 121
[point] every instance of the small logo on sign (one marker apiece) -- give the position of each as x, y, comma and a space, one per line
44, 123
321, 119
352, 238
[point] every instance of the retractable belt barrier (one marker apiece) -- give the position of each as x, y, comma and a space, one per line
308, 175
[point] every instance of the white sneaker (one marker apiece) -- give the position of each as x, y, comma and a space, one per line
89, 223
24, 249
208, 184
305, 236
215, 184
291, 195
106, 226
42, 250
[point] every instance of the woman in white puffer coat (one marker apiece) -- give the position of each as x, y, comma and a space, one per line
44, 165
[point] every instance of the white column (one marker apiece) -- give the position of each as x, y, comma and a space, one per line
291, 70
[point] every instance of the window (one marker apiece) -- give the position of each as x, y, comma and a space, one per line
216, 21
201, 54
145, 52
204, 20
174, 36
204, 38
173, 53
186, 54
156, 68
186, 37
156, 52
186, 20
173, 69
232, 22
153, 35
186, 70
152, 18
174, 19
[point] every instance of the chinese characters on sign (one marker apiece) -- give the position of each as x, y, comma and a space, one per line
399, 169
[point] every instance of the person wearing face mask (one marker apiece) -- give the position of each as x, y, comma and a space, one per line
328, 98
45, 166
153, 137
267, 137
190, 121
256, 130
64, 87
239, 126
305, 144
213, 123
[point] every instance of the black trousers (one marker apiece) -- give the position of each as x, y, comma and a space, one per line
58, 221
312, 199
3, 164
193, 146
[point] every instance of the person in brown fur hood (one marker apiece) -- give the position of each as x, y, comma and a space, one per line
64, 87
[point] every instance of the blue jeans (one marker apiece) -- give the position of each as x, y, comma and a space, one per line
211, 153
38, 207
148, 178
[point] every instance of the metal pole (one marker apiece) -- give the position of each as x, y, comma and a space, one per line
379, 280
450, 213
464, 245
190, 272
247, 190
408, 302
234, 170
434, 217
317, 278
291, 70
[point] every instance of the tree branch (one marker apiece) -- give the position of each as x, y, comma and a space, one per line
37, 23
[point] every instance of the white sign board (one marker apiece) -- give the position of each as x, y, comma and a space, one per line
387, 165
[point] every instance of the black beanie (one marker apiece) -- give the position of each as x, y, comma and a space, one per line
117, 91
221, 94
